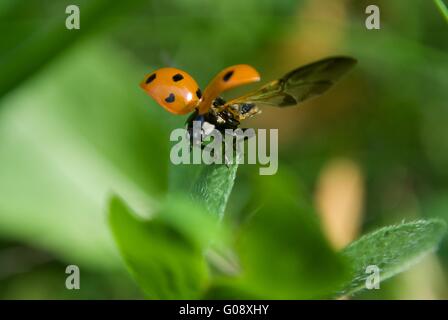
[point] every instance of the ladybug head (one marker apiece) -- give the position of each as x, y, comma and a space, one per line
173, 89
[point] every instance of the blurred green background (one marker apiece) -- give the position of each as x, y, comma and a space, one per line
75, 127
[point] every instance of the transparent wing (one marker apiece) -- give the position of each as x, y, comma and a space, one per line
298, 85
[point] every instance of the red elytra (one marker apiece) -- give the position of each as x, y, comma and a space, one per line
178, 92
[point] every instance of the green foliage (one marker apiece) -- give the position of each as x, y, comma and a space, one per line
393, 249
165, 254
286, 228
213, 187
75, 128
44, 39
296, 273
442, 8
181, 234
68, 156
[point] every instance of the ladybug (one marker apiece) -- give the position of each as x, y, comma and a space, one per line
177, 92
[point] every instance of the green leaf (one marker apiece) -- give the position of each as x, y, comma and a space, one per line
165, 254
40, 30
442, 8
210, 185
78, 131
392, 249
213, 187
282, 251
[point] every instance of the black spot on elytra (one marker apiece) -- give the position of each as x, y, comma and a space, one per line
170, 98
228, 75
177, 77
151, 78
199, 93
